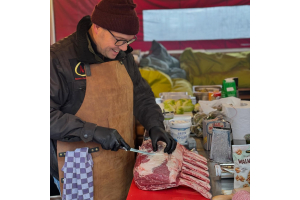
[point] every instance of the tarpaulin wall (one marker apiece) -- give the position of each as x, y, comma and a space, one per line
67, 13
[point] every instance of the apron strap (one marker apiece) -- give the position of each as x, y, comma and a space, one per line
87, 69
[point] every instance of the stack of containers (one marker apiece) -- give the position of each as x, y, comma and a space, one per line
179, 126
207, 92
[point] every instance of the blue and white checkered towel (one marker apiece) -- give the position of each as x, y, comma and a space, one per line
78, 175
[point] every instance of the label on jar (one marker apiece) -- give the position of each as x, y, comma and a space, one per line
180, 134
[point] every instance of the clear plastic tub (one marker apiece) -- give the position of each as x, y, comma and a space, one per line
180, 130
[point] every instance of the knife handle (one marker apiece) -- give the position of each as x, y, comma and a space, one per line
123, 148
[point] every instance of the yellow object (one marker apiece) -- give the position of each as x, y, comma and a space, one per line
182, 85
217, 78
158, 81
212, 68
161, 82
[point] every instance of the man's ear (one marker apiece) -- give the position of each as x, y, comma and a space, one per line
96, 28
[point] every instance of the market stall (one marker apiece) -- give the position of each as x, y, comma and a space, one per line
200, 82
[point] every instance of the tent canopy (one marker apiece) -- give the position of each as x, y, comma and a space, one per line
68, 13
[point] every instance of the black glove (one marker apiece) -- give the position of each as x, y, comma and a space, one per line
109, 139
156, 134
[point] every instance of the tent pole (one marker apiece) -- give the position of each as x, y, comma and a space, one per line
52, 24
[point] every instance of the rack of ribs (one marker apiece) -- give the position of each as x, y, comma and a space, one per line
162, 170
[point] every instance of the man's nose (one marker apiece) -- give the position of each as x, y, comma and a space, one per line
123, 47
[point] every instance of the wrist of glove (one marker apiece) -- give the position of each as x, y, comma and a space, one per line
159, 134
109, 139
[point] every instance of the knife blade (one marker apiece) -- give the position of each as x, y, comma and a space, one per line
138, 151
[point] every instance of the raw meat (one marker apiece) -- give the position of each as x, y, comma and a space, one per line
162, 171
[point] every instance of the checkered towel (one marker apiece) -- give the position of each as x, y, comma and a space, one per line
78, 175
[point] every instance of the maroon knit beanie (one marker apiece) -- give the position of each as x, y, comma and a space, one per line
116, 15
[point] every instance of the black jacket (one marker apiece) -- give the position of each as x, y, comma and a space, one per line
67, 90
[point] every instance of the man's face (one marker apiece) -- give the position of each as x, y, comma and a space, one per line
106, 42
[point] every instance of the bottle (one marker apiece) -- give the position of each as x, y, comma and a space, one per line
211, 96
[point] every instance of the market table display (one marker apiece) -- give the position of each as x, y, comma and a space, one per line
196, 170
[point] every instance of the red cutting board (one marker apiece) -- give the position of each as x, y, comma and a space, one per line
178, 193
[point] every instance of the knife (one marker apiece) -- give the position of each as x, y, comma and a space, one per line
138, 151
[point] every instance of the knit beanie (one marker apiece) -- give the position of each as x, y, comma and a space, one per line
116, 15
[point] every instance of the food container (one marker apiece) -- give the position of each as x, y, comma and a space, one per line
209, 88
201, 96
172, 93
229, 88
194, 101
191, 143
175, 97
180, 129
168, 116
201, 92
247, 138
158, 100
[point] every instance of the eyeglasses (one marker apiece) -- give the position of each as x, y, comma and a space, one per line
121, 42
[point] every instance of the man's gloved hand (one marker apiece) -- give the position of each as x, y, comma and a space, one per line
109, 139
156, 134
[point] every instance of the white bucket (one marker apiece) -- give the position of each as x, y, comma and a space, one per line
180, 130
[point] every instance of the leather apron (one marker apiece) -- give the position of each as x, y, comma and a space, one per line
108, 103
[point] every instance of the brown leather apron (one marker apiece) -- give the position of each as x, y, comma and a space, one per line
108, 102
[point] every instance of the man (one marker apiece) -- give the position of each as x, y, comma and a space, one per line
95, 90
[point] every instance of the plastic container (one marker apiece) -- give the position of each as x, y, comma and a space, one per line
158, 100
194, 101
205, 97
175, 97
247, 138
198, 88
168, 116
172, 93
180, 130
191, 143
